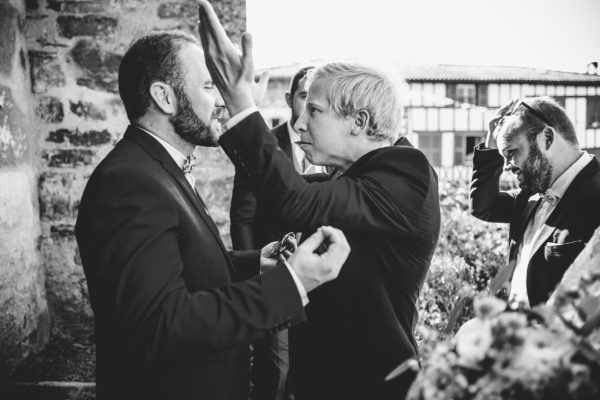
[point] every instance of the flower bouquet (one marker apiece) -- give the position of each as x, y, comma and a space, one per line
507, 352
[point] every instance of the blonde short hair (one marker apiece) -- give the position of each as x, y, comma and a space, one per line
357, 87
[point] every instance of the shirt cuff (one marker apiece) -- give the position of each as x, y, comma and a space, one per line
237, 118
299, 285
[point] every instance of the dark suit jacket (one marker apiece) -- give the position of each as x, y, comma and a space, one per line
170, 322
574, 220
359, 326
255, 225
252, 226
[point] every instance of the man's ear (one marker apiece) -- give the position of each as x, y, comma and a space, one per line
164, 97
547, 137
361, 122
288, 99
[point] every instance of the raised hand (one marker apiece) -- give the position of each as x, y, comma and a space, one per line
490, 140
232, 72
315, 269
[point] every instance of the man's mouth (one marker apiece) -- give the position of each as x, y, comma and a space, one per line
302, 143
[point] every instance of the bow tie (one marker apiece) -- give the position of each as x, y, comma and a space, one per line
549, 197
188, 164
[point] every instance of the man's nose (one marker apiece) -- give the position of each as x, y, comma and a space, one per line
218, 98
300, 125
508, 166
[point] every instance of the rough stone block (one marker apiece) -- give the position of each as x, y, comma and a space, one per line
24, 320
50, 109
69, 158
60, 193
88, 110
232, 14
89, 55
177, 10
65, 282
77, 138
8, 32
31, 5
45, 71
70, 26
97, 83
100, 67
78, 7
15, 201
14, 144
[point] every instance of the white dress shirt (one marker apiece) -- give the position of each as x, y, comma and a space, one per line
537, 231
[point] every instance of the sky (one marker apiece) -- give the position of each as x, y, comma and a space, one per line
561, 35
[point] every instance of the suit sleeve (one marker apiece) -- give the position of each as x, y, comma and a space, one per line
130, 233
486, 201
242, 213
364, 204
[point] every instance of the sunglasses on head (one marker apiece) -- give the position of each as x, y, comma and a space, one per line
520, 103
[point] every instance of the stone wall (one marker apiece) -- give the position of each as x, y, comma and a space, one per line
60, 113
24, 318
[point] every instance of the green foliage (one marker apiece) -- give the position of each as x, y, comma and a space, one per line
468, 255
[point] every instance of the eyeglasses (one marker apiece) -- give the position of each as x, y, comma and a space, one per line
528, 107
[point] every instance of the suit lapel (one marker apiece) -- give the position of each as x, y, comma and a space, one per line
157, 151
283, 138
570, 198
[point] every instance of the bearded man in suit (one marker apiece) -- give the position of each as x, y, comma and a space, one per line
175, 312
386, 200
554, 213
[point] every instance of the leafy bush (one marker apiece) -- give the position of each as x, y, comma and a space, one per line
468, 255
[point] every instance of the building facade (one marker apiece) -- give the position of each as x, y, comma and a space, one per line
449, 106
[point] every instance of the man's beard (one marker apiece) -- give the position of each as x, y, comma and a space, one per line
189, 126
537, 171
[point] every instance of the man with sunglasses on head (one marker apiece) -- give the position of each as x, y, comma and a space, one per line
556, 209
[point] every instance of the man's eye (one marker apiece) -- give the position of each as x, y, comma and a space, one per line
312, 110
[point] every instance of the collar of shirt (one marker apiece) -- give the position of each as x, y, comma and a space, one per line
562, 183
177, 156
294, 137
296, 149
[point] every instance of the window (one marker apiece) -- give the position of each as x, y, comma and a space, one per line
561, 100
464, 146
430, 143
465, 93
468, 93
593, 112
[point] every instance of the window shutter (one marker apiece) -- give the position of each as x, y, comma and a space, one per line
451, 91
482, 94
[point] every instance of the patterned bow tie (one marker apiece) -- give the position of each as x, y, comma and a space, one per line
188, 164
549, 197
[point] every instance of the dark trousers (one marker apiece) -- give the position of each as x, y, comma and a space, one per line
270, 368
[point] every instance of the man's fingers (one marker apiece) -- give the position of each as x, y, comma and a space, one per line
247, 43
263, 79
210, 27
336, 240
313, 241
